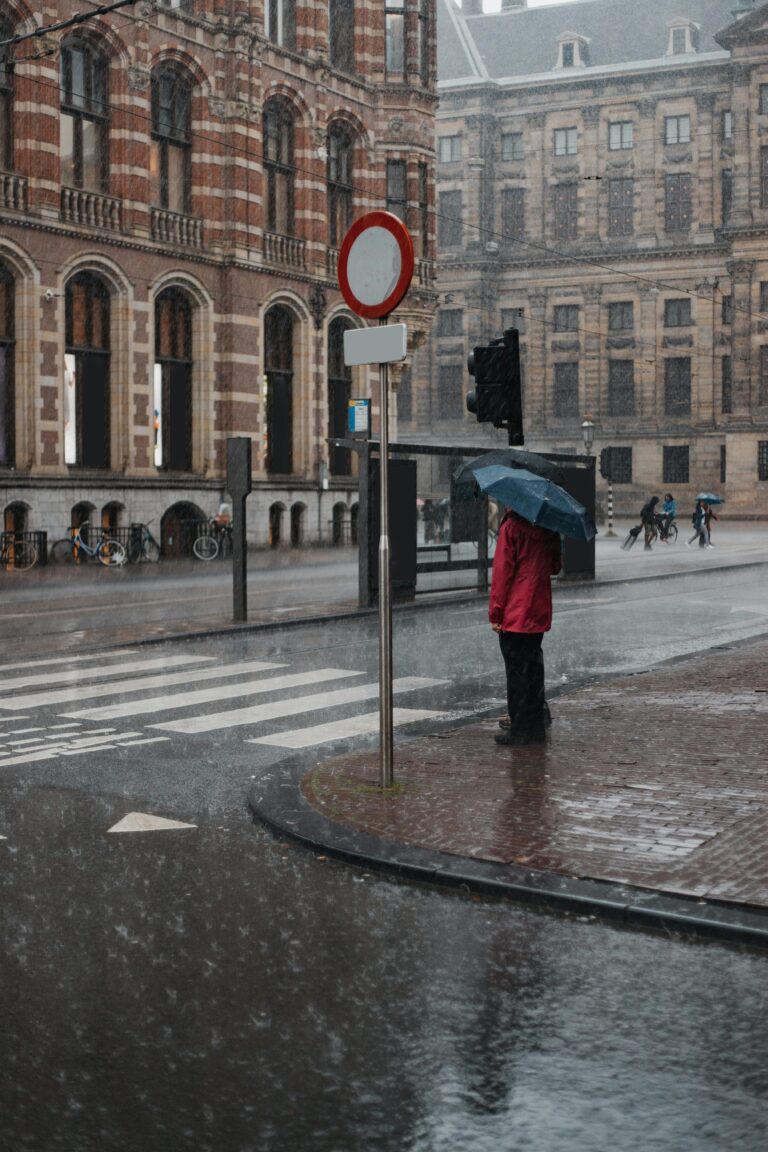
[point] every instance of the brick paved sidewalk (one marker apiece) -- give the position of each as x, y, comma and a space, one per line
658, 780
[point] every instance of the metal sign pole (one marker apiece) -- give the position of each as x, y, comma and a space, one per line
385, 592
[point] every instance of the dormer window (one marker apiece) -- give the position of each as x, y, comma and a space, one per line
572, 50
682, 38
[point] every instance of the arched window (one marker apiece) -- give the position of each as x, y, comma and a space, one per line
340, 151
280, 22
278, 365
172, 420
278, 167
7, 406
86, 372
169, 162
339, 393
84, 118
6, 100
341, 34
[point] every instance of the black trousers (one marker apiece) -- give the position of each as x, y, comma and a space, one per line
524, 665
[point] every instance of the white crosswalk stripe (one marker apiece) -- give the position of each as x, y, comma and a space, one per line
207, 695
136, 684
321, 701
95, 672
343, 729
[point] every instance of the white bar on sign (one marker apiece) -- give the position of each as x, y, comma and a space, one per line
382, 345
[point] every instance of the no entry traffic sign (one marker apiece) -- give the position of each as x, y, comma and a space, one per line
375, 264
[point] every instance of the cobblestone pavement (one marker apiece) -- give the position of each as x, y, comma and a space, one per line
658, 779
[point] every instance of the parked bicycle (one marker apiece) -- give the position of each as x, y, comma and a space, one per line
16, 554
142, 546
215, 538
74, 549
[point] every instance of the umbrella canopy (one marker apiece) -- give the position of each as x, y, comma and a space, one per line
512, 458
709, 498
537, 500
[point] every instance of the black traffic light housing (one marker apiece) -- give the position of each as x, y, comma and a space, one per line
497, 396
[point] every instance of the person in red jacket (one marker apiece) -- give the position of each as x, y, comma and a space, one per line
520, 611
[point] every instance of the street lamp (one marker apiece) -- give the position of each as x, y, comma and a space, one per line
588, 436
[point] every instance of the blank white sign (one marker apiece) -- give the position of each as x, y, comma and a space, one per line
382, 345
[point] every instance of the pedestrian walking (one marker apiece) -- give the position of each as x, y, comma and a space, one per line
697, 519
709, 516
648, 521
520, 611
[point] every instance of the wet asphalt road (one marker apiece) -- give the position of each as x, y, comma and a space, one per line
213, 988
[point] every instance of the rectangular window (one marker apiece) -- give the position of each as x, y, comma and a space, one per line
395, 39
566, 204
397, 195
726, 377
620, 135
566, 318
450, 149
679, 41
677, 130
450, 322
675, 464
513, 213
621, 316
762, 395
566, 141
341, 34
677, 386
726, 193
621, 387
762, 459
566, 395
568, 55
726, 310
280, 22
512, 146
764, 99
764, 295
677, 313
764, 177
424, 209
450, 385
727, 124
621, 465
449, 227
678, 202
621, 207
723, 464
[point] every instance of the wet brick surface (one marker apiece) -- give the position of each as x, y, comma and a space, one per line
658, 779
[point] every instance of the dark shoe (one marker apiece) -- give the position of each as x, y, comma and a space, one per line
505, 721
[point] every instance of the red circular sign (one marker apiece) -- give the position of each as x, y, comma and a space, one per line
375, 264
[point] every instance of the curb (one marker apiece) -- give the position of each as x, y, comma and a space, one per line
277, 800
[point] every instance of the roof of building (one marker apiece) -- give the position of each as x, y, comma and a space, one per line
523, 42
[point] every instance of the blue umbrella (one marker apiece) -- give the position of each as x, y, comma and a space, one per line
709, 498
537, 500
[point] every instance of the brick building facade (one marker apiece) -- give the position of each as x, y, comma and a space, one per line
175, 182
603, 167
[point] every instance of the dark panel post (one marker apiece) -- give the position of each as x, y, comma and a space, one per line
238, 486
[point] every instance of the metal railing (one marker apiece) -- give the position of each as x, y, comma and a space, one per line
39, 539
285, 250
91, 208
175, 228
13, 192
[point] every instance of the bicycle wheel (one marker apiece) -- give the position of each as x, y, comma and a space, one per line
205, 548
672, 533
62, 552
21, 555
111, 554
150, 550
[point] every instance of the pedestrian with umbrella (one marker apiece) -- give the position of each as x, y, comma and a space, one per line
527, 555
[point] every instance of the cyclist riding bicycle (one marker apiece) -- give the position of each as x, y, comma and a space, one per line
667, 515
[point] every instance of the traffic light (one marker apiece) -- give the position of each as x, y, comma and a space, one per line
606, 463
496, 398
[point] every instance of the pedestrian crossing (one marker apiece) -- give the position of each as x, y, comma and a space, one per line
158, 699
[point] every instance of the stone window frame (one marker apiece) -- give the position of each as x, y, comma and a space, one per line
726, 124
512, 214
678, 312
340, 146
174, 139
621, 206
450, 228
678, 202
614, 314
450, 322
621, 465
81, 109
726, 384
280, 23
565, 389
677, 385
341, 35
279, 139
621, 392
565, 210
623, 145
565, 141
762, 380
676, 464
395, 39
682, 37
566, 317
449, 148
677, 128
512, 146
762, 460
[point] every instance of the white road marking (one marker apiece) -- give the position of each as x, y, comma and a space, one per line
81, 751
319, 702
95, 672
65, 659
146, 740
143, 822
343, 729
206, 695
21, 731
139, 683
69, 724
30, 757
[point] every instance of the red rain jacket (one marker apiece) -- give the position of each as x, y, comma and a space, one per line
521, 592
